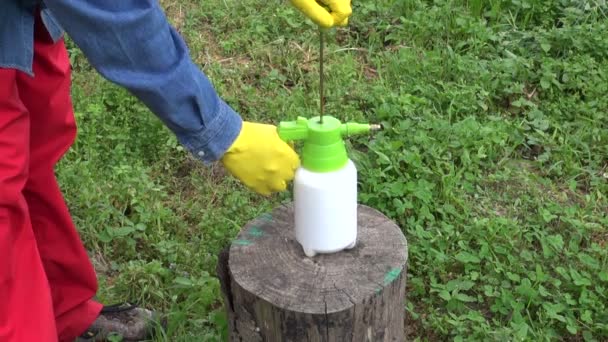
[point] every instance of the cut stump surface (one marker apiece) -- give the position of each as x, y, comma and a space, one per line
273, 292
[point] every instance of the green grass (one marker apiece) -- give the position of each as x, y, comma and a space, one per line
494, 159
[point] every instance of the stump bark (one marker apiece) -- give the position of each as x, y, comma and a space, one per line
273, 292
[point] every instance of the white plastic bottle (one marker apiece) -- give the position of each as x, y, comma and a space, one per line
326, 209
325, 185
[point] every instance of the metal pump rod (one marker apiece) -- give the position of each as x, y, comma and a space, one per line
322, 100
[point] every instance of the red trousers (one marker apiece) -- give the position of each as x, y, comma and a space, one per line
47, 282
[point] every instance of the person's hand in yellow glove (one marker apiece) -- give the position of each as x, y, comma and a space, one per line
260, 159
337, 15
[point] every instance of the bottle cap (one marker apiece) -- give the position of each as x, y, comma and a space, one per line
324, 149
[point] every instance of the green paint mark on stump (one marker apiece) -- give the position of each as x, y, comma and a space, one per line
391, 275
255, 231
242, 242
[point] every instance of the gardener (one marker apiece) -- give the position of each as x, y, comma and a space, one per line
47, 283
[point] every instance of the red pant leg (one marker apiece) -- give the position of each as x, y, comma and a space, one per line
69, 271
26, 312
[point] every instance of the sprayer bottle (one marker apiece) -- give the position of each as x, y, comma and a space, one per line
325, 185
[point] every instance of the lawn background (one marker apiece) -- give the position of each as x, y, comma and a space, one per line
494, 159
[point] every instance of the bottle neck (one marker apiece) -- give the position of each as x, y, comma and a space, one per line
324, 158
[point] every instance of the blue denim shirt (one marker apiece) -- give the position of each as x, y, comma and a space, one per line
130, 43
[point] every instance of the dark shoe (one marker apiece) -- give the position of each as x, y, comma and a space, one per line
128, 321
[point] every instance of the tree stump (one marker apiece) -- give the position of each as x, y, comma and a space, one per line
273, 292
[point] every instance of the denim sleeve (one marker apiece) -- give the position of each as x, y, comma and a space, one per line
131, 43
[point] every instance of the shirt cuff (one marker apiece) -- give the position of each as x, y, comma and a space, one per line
211, 143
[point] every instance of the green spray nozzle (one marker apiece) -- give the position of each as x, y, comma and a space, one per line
324, 148
352, 128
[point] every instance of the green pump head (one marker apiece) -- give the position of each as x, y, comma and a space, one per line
324, 148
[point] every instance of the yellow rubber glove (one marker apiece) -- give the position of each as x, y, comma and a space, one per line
339, 11
260, 159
